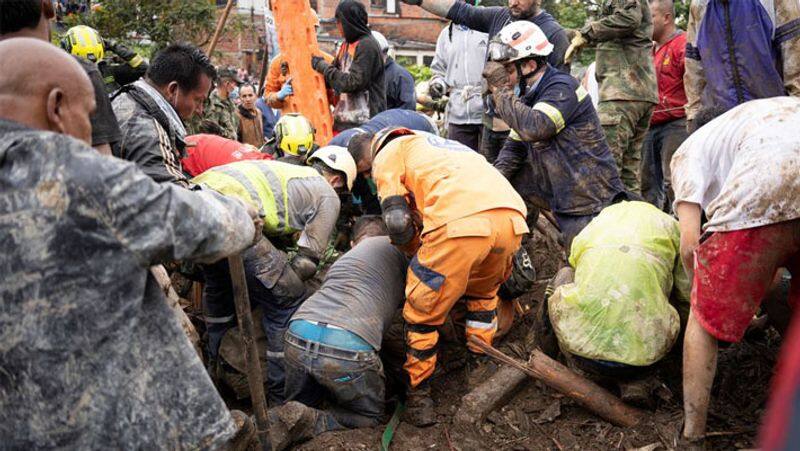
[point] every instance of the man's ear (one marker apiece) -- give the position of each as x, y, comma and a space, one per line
56, 111
172, 89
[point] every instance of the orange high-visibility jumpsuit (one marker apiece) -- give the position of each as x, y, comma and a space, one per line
276, 77
472, 224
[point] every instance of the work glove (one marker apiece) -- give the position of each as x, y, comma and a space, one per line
123, 52
495, 75
286, 91
578, 42
304, 264
318, 63
437, 90
398, 219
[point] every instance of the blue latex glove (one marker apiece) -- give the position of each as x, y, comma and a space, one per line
286, 91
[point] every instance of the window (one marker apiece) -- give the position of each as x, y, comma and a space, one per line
391, 7
377, 4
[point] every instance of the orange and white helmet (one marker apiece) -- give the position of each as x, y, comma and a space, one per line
519, 40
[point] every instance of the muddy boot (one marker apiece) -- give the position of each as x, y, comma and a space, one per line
419, 406
245, 431
290, 423
638, 392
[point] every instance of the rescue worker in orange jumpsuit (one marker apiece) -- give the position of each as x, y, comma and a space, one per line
463, 236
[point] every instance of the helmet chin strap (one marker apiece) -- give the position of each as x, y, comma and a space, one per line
522, 80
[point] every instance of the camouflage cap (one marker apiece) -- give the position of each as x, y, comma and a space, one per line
228, 72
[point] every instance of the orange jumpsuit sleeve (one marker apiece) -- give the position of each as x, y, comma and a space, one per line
274, 83
389, 171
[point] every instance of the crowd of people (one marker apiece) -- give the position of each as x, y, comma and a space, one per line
673, 189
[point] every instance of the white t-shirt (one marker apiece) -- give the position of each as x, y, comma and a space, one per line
743, 168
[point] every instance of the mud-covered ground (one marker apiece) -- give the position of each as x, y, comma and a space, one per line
539, 418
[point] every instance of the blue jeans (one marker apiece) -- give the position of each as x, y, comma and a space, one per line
659, 145
272, 284
352, 380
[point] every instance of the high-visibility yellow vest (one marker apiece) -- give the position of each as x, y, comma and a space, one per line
260, 183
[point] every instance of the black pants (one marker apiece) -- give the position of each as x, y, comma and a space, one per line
467, 134
660, 144
491, 143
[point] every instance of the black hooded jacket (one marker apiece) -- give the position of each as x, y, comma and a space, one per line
366, 71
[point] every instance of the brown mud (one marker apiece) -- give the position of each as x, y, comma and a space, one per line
539, 418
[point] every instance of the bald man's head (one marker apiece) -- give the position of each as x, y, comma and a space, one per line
663, 14
45, 88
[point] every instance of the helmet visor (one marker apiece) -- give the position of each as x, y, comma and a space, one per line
499, 51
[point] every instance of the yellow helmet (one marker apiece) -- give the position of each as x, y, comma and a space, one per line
294, 134
84, 42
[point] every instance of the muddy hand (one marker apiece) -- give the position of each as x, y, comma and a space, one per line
495, 75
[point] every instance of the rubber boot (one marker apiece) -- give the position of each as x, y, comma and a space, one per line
245, 431
419, 406
290, 423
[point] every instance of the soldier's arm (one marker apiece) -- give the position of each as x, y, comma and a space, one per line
787, 35
694, 80
626, 16
160, 222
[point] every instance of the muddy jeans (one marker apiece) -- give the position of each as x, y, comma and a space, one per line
353, 381
660, 143
271, 284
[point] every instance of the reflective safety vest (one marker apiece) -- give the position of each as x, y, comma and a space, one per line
262, 184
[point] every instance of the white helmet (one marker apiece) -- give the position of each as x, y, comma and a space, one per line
519, 40
338, 158
382, 41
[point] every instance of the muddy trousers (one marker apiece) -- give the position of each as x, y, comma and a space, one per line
467, 258
273, 285
352, 381
625, 123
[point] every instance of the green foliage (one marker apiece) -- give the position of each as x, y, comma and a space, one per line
420, 73
154, 23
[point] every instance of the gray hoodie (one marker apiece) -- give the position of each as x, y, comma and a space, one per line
460, 55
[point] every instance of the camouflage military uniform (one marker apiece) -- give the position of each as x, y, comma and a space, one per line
219, 118
625, 72
92, 355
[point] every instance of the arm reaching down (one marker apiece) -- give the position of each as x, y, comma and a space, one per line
160, 222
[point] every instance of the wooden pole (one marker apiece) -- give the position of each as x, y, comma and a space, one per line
247, 332
220, 25
162, 279
585, 392
264, 63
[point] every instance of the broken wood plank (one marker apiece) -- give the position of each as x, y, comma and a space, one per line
583, 391
492, 394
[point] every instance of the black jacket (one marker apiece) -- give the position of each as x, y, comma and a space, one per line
147, 138
366, 72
